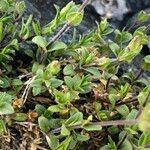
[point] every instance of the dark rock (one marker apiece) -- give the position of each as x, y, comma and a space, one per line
47, 10
137, 5
30, 9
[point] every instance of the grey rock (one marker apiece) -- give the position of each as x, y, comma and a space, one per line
137, 5
45, 11
30, 9
111, 8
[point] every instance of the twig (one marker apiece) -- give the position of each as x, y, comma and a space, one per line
133, 26
25, 124
85, 3
134, 99
139, 75
67, 26
27, 89
26, 75
108, 82
103, 124
64, 29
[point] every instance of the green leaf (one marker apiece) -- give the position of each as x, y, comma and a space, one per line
81, 137
40, 41
124, 90
62, 98
4, 97
6, 108
75, 119
2, 127
92, 127
43, 124
40, 73
126, 145
132, 50
94, 71
144, 119
66, 9
68, 70
144, 139
143, 95
123, 110
131, 130
36, 90
1, 31
54, 67
55, 83
25, 29
104, 28
58, 45
52, 141
36, 66
132, 114
40, 109
103, 25
112, 144
123, 37
114, 48
64, 145
20, 8
113, 99
4, 5
74, 18
4, 82
17, 82
64, 131
5, 104
106, 147
113, 130
103, 62
69, 82
146, 63
37, 28
56, 108
77, 81
20, 117
143, 16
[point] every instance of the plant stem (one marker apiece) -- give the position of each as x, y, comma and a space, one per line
139, 74
103, 124
67, 26
134, 99
64, 29
84, 4
132, 26
27, 90
108, 82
